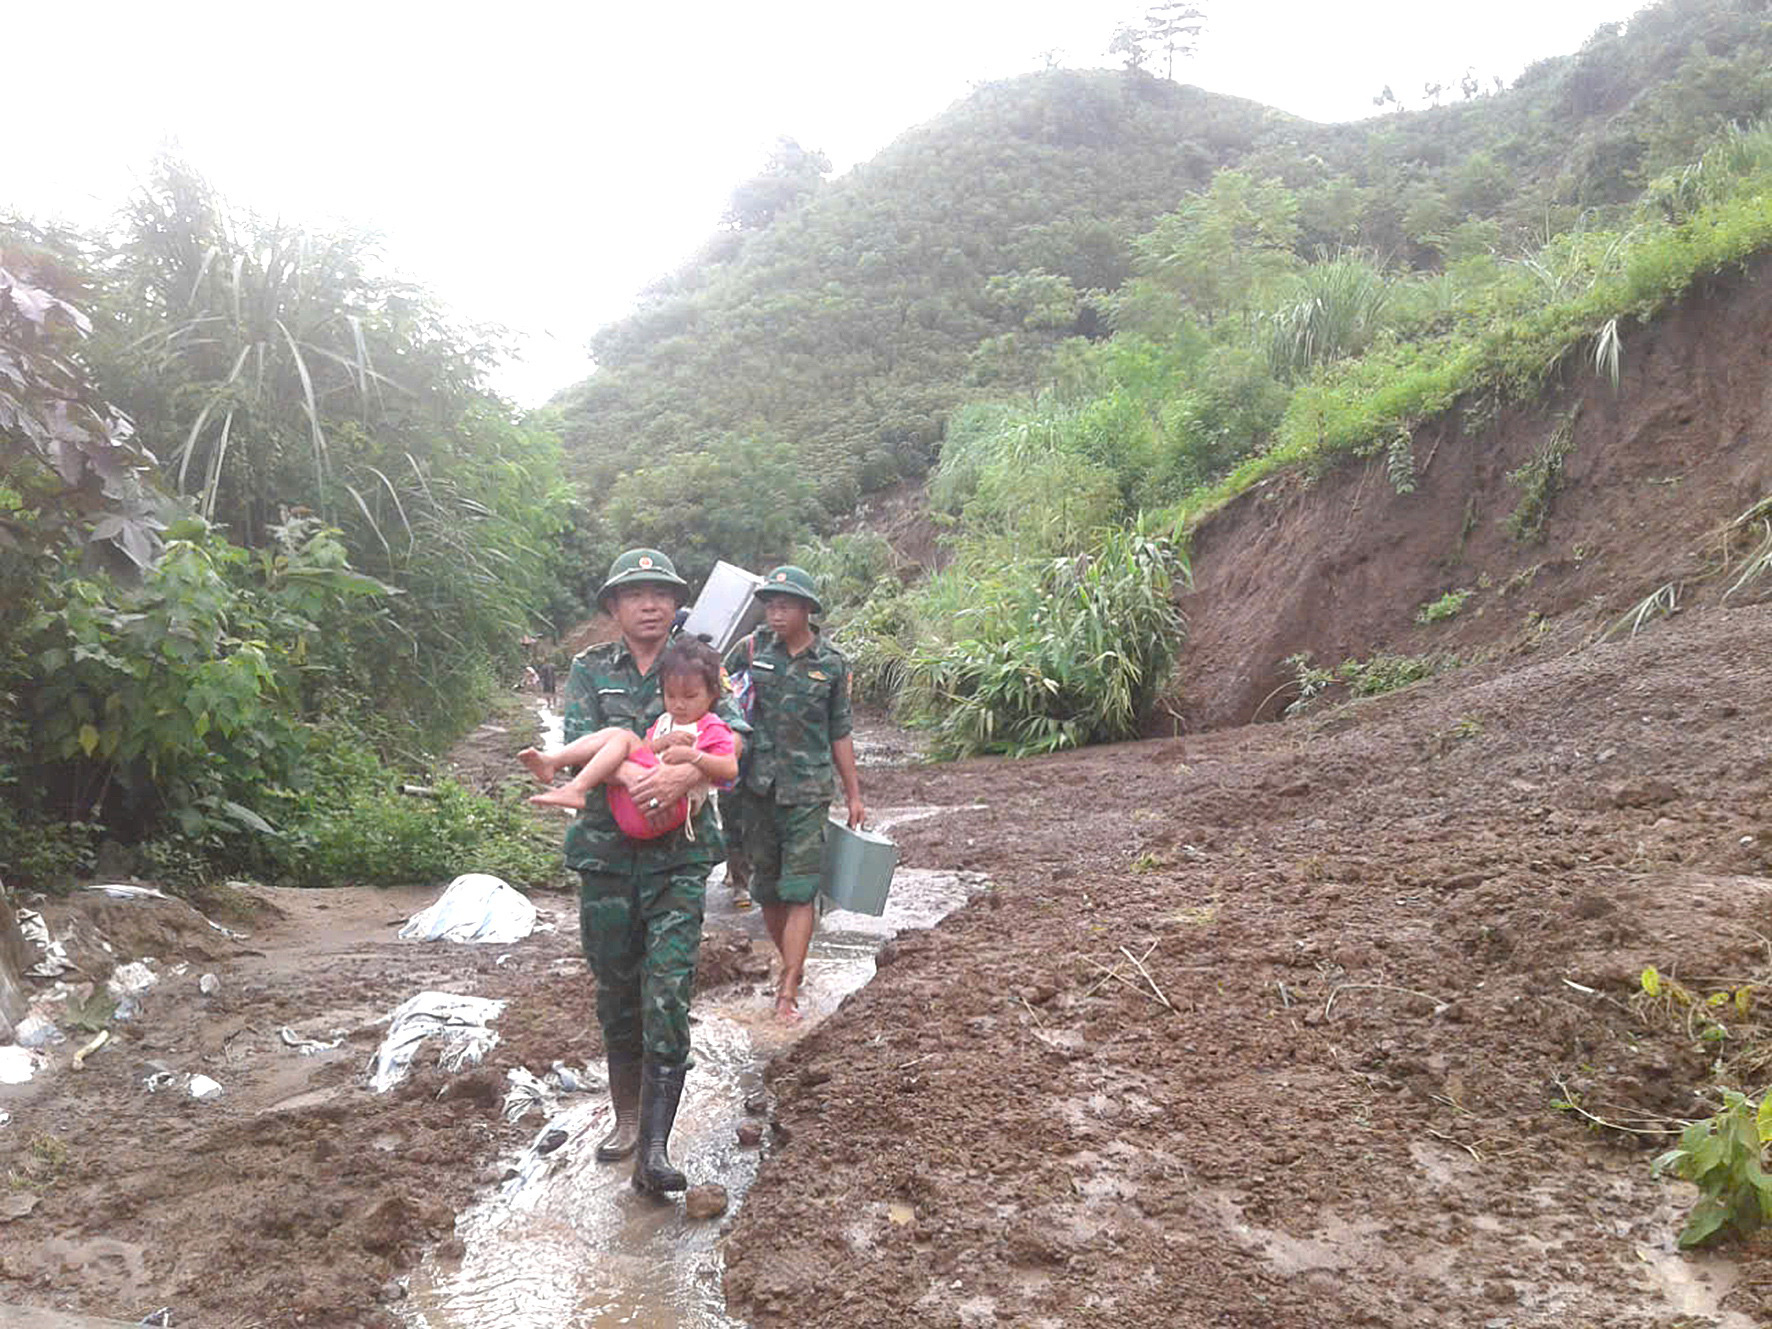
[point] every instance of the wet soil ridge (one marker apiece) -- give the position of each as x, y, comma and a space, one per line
1368, 929
1339, 566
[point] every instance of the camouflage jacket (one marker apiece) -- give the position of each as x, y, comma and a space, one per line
802, 707
605, 689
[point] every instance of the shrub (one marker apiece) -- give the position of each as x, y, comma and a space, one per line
1043, 654
1723, 1156
1447, 606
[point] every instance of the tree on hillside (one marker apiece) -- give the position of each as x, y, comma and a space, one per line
1129, 43
1175, 27
790, 176
1172, 27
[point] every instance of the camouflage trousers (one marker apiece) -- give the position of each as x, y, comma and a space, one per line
641, 933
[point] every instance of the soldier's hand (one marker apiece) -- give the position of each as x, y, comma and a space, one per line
666, 784
677, 738
857, 813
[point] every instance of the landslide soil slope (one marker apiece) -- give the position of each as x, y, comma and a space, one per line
1337, 566
1368, 925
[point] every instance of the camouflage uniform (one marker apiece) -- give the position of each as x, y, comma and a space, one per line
802, 707
640, 901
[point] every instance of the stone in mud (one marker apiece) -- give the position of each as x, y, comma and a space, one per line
704, 1202
750, 1133
756, 1105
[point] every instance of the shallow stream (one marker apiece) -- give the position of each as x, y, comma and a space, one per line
565, 1243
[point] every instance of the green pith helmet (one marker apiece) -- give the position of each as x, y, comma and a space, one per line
790, 580
638, 567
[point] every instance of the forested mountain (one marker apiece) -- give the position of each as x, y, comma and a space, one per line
832, 332
849, 323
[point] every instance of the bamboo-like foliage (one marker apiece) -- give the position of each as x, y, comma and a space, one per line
1336, 310
1049, 653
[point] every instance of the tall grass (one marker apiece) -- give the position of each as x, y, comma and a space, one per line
1337, 310
1037, 655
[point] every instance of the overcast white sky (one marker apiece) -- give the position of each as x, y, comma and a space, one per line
538, 163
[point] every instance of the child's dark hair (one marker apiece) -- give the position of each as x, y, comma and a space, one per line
692, 658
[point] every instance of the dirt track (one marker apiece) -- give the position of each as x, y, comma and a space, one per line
993, 1132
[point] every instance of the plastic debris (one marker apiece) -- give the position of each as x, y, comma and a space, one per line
160, 1319
5, 1118
568, 1080
18, 1064
550, 1141
54, 961
306, 1046
203, 1088
126, 985
158, 1080
36, 1031
527, 1093
476, 907
208, 985
460, 1023
99, 1039
122, 892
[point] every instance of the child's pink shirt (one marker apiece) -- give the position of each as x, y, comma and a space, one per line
712, 736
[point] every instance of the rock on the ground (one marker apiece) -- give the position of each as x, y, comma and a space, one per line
704, 1202
749, 1133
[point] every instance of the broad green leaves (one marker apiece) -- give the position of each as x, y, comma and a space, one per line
1722, 1157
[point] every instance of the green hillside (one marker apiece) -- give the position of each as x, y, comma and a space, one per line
850, 324
825, 340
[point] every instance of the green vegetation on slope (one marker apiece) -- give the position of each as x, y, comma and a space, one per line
1081, 298
265, 540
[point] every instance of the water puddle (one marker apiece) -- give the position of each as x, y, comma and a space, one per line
565, 1243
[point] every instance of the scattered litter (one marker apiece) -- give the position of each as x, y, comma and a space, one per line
55, 960
527, 1094
158, 1080
160, 1319
306, 1046
570, 1081
476, 907
120, 892
202, 1088
98, 1041
5, 1118
461, 1022
18, 1064
126, 985
550, 1141
208, 985
35, 1031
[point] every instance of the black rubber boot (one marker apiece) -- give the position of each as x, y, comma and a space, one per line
624, 1092
661, 1087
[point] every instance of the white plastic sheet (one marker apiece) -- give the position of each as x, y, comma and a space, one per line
477, 908
461, 1024
18, 1065
55, 960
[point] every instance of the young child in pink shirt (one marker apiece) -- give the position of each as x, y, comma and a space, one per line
688, 732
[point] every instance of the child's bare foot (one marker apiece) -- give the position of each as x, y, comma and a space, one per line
563, 797
538, 764
787, 1010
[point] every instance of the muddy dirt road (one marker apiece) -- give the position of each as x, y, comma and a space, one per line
1262, 1028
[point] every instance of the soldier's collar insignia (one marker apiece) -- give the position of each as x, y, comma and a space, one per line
819, 675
